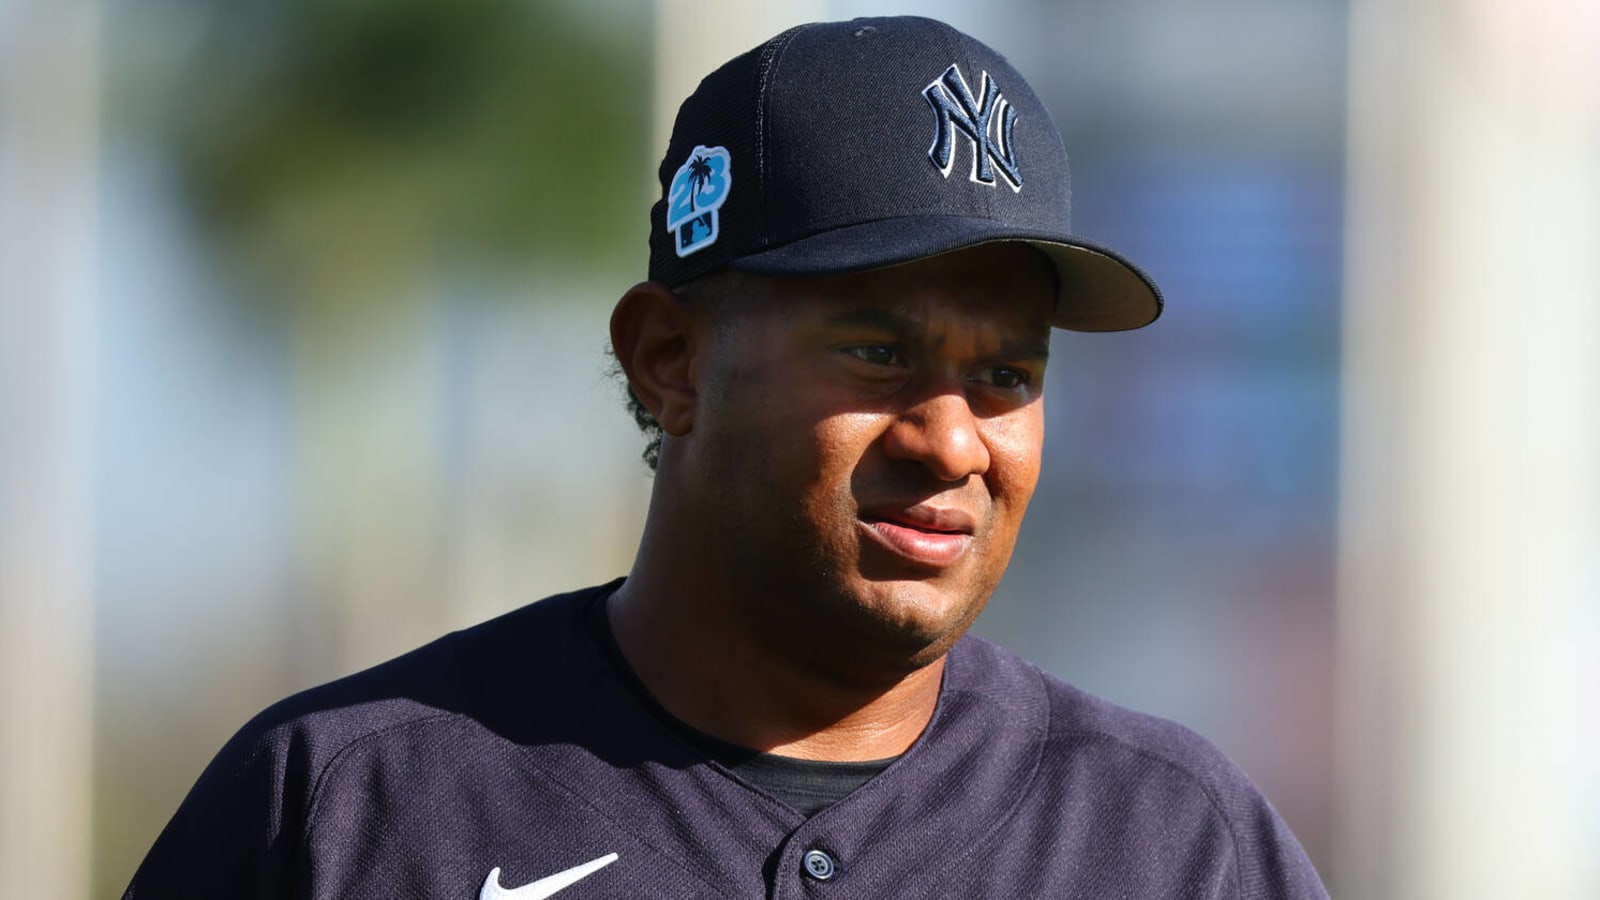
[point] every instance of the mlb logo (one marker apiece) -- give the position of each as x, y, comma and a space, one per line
696, 233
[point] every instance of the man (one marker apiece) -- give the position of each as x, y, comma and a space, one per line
859, 252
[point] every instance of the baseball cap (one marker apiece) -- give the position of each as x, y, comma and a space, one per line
844, 146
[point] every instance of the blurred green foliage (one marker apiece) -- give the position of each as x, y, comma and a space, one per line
403, 133
338, 157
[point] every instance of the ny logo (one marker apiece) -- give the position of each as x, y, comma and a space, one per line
954, 108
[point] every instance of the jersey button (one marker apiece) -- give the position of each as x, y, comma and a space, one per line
818, 865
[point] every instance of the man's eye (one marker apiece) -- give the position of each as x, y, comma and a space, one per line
877, 354
1005, 377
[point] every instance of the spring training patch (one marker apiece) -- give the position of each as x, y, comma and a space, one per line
697, 191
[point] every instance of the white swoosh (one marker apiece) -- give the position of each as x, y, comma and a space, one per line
544, 887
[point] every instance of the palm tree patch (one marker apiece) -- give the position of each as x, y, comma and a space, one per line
696, 193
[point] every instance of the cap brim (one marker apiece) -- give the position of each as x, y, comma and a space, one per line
1100, 291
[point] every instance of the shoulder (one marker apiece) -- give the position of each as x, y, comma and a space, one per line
245, 817
458, 675
1154, 783
1076, 722
1081, 722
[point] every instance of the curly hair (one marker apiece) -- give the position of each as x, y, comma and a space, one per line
647, 423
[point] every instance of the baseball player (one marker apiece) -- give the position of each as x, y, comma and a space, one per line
859, 250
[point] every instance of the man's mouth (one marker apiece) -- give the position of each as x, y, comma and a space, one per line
931, 537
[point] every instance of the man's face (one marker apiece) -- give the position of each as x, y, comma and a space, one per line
865, 447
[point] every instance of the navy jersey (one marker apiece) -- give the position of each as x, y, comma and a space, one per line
512, 761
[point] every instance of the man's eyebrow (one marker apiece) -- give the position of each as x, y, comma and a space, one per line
1024, 348
902, 327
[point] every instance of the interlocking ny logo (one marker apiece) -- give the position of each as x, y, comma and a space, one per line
954, 108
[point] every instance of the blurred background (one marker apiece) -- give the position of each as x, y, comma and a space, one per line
302, 319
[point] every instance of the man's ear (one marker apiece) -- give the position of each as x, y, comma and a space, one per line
653, 334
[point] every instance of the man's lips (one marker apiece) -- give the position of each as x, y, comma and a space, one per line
922, 534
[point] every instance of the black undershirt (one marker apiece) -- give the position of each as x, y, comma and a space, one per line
806, 785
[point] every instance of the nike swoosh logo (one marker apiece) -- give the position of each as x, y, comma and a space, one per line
544, 887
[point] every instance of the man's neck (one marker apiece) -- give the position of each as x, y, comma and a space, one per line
704, 670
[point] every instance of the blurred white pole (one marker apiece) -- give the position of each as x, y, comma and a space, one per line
48, 110
1470, 572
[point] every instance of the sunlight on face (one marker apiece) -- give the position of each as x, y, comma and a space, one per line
867, 445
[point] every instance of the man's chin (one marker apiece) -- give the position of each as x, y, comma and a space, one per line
915, 621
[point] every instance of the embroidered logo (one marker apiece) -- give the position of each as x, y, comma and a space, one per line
697, 191
544, 887
986, 121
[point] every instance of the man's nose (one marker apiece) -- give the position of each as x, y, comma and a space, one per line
940, 432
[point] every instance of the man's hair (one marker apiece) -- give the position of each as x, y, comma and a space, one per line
720, 294
647, 423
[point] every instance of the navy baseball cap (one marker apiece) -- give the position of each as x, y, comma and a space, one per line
844, 146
